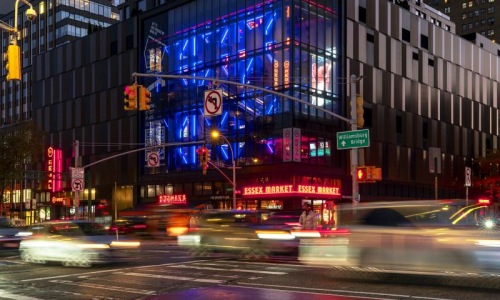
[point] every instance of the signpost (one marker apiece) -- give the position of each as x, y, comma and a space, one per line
353, 139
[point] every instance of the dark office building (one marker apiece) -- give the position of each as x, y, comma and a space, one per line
477, 16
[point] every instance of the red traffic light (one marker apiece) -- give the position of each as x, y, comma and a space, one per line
201, 150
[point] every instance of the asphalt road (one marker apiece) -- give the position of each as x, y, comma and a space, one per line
163, 271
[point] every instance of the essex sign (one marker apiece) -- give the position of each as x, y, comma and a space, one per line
353, 139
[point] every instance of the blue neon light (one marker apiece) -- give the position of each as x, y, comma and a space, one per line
224, 151
269, 24
194, 46
224, 118
224, 36
249, 64
269, 147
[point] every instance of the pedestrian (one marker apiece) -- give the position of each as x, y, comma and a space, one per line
308, 218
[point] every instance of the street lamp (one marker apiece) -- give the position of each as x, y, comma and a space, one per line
215, 135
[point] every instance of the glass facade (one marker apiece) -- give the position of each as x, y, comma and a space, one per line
290, 47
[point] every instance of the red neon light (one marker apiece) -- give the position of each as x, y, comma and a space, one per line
483, 201
288, 189
172, 199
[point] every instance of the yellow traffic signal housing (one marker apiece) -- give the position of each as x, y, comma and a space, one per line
144, 98
13, 65
130, 100
360, 121
376, 173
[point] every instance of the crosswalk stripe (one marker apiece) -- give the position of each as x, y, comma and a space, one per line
231, 270
174, 277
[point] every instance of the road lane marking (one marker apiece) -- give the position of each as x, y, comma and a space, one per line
230, 270
175, 277
341, 292
108, 271
105, 287
7, 295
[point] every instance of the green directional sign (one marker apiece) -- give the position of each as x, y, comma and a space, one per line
353, 139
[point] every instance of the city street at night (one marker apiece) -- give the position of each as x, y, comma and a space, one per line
163, 271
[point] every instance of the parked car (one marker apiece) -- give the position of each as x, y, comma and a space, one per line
75, 243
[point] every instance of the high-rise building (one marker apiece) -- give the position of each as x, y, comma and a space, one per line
472, 16
424, 90
58, 22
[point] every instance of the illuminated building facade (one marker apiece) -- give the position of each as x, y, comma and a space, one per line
290, 47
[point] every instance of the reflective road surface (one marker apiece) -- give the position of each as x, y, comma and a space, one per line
164, 271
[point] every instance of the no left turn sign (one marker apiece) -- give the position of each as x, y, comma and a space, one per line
153, 159
213, 102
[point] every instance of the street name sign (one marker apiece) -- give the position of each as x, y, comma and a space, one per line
353, 139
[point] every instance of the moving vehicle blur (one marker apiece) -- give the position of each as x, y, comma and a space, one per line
432, 236
129, 226
239, 232
10, 234
75, 243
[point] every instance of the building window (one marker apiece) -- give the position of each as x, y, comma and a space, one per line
424, 41
415, 56
362, 14
370, 38
405, 35
447, 10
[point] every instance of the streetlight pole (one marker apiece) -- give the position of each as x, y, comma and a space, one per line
216, 134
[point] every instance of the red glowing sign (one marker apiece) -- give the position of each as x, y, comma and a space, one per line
54, 169
172, 199
289, 189
484, 201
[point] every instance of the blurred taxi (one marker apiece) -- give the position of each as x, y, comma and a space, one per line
236, 231
75, 243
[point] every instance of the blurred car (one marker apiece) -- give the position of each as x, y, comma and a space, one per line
10, 234
238, 232
75, 243
420, 236
128, 226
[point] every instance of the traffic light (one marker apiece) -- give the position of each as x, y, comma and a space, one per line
13, 64
144, 98
360, 121
130, 100
202, 156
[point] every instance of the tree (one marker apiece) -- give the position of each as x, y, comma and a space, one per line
21, 146
487, 175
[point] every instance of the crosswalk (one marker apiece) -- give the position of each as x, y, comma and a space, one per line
143, 281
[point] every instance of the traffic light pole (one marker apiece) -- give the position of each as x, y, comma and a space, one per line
354, 151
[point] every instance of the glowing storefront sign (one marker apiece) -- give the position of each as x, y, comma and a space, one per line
54, 169
289, 189
172, 199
